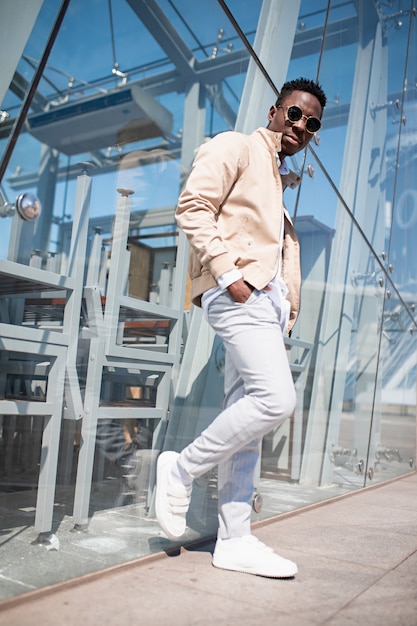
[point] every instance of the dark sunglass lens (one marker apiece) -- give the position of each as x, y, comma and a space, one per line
294, 113
313, 124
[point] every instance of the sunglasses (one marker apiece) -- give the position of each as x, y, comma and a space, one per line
294, 114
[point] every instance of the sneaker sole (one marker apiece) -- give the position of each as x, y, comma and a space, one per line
244, 570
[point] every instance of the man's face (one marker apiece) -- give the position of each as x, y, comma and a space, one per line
295, 137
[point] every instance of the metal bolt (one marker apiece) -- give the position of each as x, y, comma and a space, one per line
310, 170
257, 502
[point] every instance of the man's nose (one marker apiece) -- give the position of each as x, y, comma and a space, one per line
301, 123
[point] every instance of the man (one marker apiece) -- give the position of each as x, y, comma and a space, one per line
245, 273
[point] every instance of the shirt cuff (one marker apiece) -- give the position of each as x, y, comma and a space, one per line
228, 278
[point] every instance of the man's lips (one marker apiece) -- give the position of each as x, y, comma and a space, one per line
293, 140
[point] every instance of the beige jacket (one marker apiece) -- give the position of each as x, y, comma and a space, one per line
231, 211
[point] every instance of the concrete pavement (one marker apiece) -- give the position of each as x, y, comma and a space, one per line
357, 559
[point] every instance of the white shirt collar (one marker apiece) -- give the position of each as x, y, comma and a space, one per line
282, 166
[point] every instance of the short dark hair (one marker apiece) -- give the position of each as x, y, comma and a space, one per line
302, 84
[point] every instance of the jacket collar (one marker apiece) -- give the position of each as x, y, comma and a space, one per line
273, 142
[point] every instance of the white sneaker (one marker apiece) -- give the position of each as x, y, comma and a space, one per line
249, 555
171, 500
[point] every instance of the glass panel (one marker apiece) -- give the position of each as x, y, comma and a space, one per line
401, 162
286, 451
349, 453
310, 53
118, 112
393, 444
339, 308
213, 35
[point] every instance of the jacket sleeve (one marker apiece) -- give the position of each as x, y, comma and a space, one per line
216, 167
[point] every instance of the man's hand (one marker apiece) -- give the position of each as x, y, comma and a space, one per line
240, 291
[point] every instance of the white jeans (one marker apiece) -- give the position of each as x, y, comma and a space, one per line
259, 395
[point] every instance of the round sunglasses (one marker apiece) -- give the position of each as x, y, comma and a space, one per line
294, 114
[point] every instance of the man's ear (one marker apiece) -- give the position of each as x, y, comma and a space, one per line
271, 112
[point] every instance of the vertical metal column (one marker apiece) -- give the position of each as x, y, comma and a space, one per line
92, 395
17, 22
50, 447
273, 44
103, 329
75, 269
64, 369
119, 266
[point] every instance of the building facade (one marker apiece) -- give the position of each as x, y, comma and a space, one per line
104, 362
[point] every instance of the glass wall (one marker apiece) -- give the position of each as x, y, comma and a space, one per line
104, 363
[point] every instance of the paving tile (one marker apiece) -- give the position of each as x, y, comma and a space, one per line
390, 600
323, 584
135, 595
372, 514
364, 546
